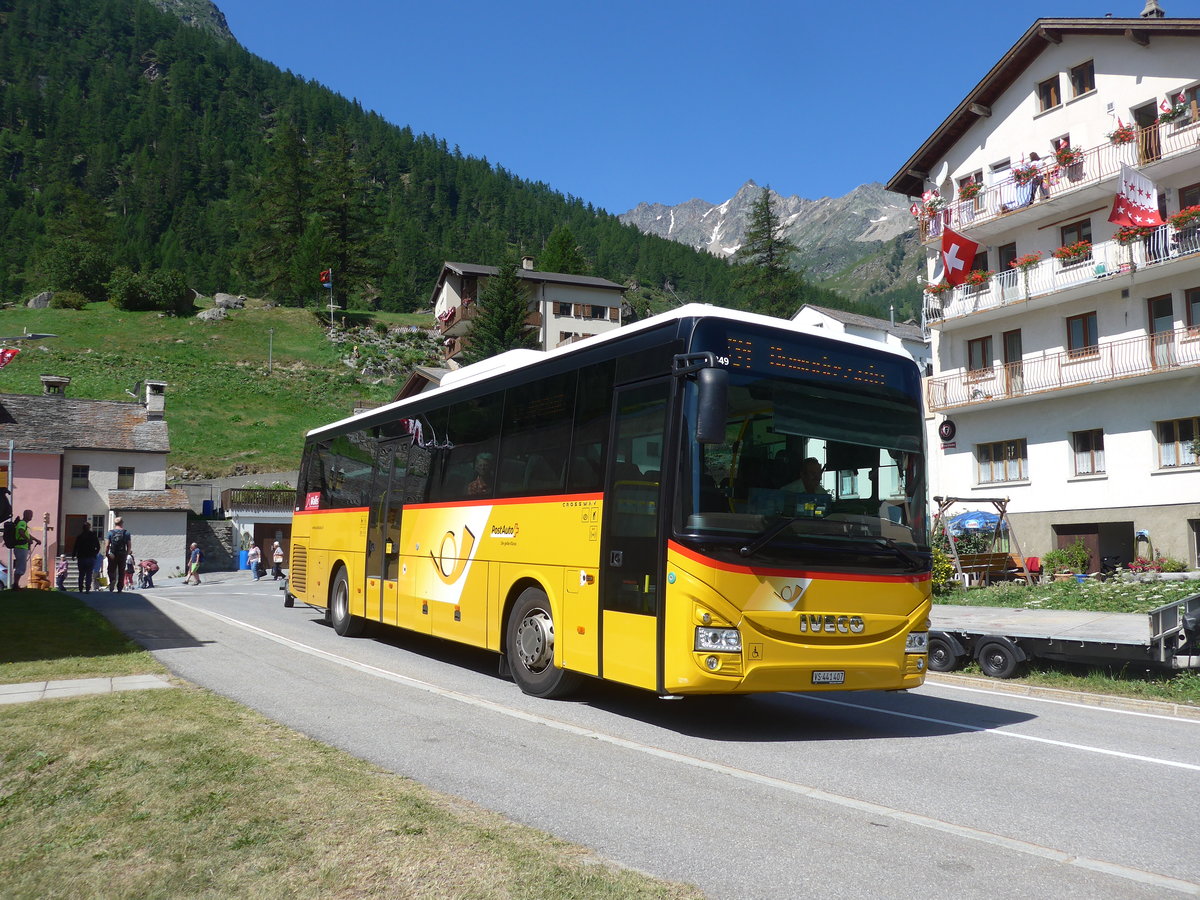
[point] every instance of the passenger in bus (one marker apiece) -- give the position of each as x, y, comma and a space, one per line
485, 468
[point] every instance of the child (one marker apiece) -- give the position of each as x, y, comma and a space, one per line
60, 573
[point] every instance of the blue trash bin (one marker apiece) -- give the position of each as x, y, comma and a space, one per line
243, 559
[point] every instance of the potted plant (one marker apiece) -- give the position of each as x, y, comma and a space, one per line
936, 288
1070, 562
1027, 262
1073, 253
1169, 112
969, 190
1023, 173
1128, 234
1123, 134
1186, 219
1067, 156
977, 278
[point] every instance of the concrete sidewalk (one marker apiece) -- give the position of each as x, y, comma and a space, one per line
45, 690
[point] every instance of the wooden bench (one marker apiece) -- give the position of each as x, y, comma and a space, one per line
982, 568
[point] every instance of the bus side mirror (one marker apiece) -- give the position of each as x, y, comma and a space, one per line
712, 405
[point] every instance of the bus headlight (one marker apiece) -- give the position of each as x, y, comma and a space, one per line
918, 642
725, 640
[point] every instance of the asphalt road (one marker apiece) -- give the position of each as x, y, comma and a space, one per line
943, 791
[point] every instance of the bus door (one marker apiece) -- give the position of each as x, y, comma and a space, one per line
631, 584
383, 531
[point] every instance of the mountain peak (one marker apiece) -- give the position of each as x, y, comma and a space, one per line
202, 14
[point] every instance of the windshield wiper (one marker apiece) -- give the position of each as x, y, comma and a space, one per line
767, 535
888, 543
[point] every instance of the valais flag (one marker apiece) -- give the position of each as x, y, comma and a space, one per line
957, 255
6, 355
1136, 202
327, 278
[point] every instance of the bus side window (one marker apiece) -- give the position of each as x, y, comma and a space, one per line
536, 436
472, 431
593, 409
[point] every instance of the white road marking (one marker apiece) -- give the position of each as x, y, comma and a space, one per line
1028, 848
1001, 733
1088, 706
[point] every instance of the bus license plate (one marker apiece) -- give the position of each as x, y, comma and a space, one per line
838, 677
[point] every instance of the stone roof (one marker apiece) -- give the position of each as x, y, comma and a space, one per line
902, 330
51, 424
169, 500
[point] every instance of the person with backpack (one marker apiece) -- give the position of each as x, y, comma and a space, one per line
87, 546
120, 542
20, 543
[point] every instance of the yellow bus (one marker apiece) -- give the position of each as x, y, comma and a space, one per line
704, 502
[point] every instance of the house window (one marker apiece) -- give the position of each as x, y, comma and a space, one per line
124, 478
1177, 442
1189, 196
1083, 78
1076, 232
1191, 303
599, 312
1004, 257
562, 309
79, 476
1082, 337
1048, 96
1089, 451
979, 355
1002, 461
98, 523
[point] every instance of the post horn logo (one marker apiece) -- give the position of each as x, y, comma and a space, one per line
449, 561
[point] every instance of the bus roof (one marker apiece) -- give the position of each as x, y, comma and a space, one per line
519, 359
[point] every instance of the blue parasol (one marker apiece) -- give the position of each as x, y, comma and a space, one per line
974, 521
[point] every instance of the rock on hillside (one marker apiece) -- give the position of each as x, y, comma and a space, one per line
831, 232
202, 14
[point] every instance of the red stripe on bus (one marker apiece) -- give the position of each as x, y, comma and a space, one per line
507, 501
790, 573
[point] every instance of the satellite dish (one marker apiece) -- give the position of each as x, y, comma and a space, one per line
942, 173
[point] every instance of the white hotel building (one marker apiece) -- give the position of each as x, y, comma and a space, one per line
1072, 386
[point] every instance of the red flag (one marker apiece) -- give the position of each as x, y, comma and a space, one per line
1136, 202
327, 277
958, 253
7, 354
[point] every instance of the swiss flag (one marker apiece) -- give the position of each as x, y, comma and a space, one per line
1136, 202
6, 355
958, 253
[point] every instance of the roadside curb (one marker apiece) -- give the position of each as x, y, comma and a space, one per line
1105, 701
31, 691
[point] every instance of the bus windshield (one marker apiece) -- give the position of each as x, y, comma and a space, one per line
810, 473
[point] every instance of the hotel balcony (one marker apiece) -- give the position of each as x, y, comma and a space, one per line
1051, 281
1162, 355
452, 322
1161, 150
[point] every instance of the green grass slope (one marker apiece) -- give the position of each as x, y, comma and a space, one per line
241, 392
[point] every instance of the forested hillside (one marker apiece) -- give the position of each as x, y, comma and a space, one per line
128, 139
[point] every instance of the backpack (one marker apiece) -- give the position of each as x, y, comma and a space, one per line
10, 533
118, 540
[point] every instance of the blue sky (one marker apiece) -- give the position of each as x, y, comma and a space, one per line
621, 101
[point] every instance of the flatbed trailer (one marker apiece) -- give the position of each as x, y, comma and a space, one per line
1004, 640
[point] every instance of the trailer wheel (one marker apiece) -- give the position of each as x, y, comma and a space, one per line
945, 653
1000, 658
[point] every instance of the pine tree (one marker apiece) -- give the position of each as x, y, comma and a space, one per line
500, 323
763, 272
562, 253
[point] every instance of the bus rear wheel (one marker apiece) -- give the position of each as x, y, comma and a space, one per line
529, 644
339, 608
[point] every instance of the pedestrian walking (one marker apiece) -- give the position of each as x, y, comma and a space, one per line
254, 559
85, 551
276, 562
119, 544
195, 557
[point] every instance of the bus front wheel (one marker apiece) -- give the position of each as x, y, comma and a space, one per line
339, 608
529, 644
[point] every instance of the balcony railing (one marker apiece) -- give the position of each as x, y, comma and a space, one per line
258, 499
1111, 361
456, 315
1107, 258
1154, 142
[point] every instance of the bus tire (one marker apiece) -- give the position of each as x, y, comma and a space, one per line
339, 608
945, 653
1000, 658
529, 645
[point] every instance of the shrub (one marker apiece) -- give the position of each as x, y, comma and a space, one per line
1075, 558
164, 289
942, 579
1170, 564
68, 300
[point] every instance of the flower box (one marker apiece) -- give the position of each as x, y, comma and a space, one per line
1188, 217
1068, 156
1028, 261
1072, 253
977, 278
1123, 134
1128, 234
970, 190
1023, 174
940, 287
